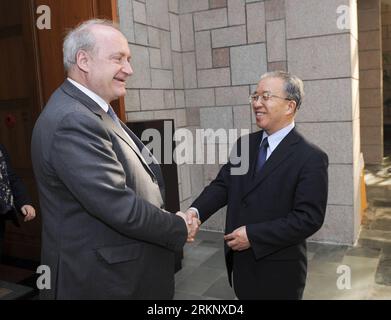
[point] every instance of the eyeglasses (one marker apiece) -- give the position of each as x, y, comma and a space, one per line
264, 96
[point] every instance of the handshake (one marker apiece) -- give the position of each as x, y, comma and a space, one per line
192, 223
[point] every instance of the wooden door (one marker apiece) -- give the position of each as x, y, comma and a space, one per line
19, 107
66, 14
31, 69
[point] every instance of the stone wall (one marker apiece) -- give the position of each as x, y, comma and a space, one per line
198, 61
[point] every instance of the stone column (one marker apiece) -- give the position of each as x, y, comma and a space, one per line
386, 44
371, 80
322, 49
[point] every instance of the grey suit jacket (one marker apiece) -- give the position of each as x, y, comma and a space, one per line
104, 233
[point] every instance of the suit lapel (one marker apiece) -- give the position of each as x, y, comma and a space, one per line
283, 151
254, 143
137, 146
132, 144
74, 92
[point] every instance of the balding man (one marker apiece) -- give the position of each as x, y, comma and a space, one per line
105, 234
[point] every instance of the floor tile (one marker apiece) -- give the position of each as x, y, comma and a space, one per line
186, 296
363, 252
379, 292
383, 274
192, 287
205, 274
221, 289
330, 253
216, 261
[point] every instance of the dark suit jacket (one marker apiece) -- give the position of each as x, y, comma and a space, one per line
18, 188
281, 207
104, 233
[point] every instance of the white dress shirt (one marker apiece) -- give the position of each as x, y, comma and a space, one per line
275, 138
103, 104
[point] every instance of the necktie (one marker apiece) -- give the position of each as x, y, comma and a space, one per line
113, 116
262, 155
137, 145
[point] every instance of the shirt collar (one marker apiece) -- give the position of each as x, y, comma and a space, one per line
275, 138
103, 104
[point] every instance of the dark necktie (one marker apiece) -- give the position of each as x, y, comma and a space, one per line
262, 155
113, 116
132, 140
138, 146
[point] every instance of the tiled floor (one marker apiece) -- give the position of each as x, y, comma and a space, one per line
203, 276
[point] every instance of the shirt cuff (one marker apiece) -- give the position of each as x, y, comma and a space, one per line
196, 211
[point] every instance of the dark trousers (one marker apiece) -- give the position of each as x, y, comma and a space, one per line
2, 234
268, 279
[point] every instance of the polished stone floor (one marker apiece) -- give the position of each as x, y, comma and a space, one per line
203, 276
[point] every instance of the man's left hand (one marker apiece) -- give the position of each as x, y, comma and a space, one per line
237, 240
28, 212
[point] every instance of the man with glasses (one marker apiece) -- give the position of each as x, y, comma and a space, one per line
277, 204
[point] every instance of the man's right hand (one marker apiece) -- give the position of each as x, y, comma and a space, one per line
192, 224
190, 214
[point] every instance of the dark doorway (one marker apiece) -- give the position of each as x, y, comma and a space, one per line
169, 170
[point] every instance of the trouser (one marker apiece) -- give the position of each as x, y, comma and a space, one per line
268, 279
2, 234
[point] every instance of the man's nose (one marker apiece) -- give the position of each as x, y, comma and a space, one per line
128, 68
257, 102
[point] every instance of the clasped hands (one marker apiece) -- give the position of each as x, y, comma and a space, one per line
192, 223
237, 240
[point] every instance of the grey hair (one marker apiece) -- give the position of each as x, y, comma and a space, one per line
81, 38
293, 85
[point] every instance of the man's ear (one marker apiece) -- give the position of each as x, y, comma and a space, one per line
291, 107
83, 60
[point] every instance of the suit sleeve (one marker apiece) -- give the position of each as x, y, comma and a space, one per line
84, 160
19, 190
306, 217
